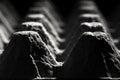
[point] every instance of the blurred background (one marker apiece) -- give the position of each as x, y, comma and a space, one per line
107, 7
